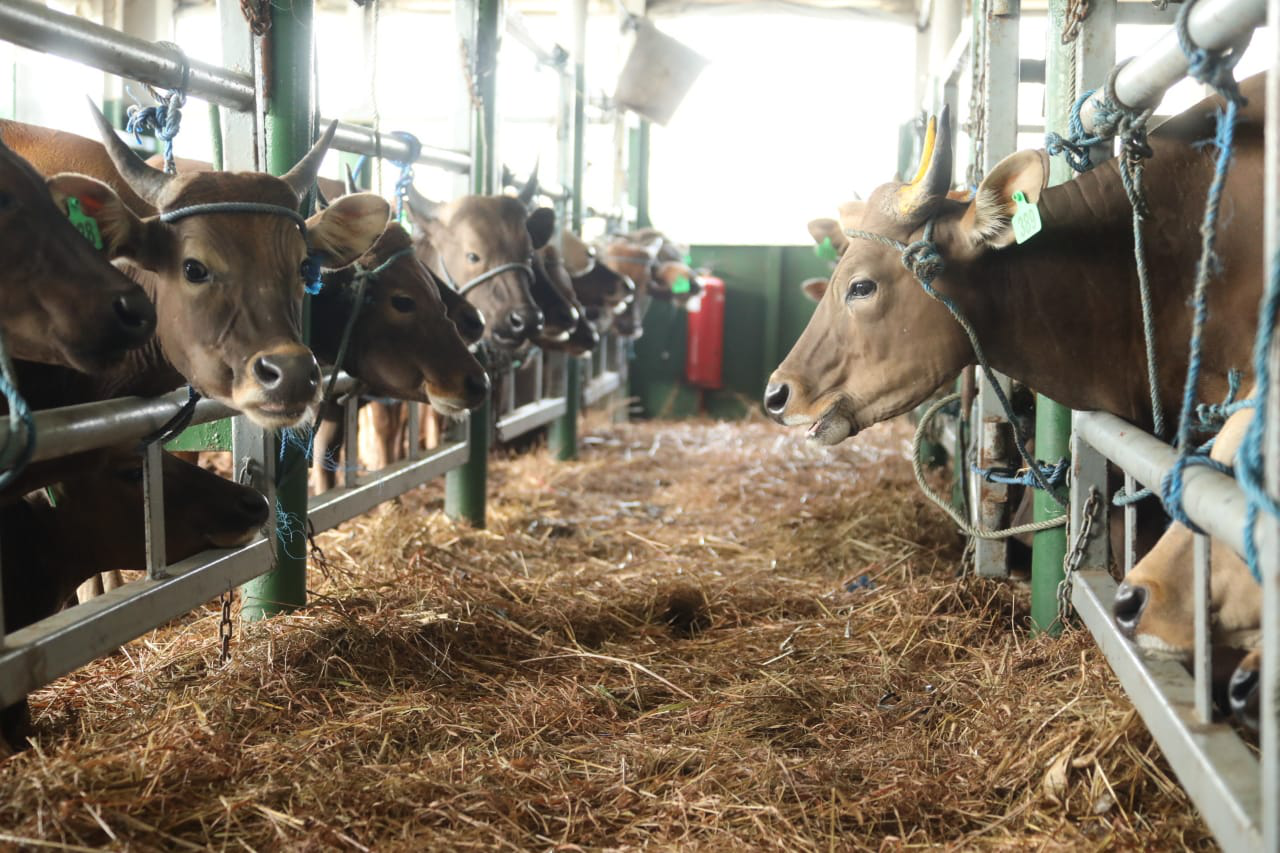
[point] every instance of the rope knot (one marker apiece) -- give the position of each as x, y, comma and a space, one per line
924, 260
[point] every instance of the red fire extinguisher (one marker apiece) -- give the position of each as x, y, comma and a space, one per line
705, 352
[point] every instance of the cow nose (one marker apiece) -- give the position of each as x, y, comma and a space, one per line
288, 375
776, 396
470, 323
525, 321
1242, 696
476, 386
253, 508
136, 314
1127, 608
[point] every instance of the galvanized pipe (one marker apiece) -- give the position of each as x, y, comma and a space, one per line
361, 140
1212, 24
33, 26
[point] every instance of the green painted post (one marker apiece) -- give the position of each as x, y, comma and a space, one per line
562, 435
290, 133
640, 173
465, 486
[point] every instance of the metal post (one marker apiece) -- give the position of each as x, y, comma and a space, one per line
290, 133
465, 486
999, 27
640, 173
153, 509
1049, 547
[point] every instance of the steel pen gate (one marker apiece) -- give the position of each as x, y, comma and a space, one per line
1236, 790
256, 127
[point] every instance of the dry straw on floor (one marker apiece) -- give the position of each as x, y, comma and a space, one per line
699, 636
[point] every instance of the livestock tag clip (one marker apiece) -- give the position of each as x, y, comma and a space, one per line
84, 223
1026, 219
826, 251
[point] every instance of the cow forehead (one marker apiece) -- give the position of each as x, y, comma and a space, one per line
191, 188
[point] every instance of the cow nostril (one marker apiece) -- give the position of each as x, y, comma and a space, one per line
135, 315
477, 386
267, 372
1242, 696
471, 325
1128, 606
776, 396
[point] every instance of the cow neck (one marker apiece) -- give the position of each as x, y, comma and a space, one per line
1060, 312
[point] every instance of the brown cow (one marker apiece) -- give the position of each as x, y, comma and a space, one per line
61, 302
1058, 312
582, 337
97, 526
227, 285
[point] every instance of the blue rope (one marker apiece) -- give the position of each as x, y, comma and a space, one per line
20, 420
405, 181
925, 263
1250, 464
164, 120
1054, 473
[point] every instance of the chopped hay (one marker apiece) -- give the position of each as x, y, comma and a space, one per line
700, 635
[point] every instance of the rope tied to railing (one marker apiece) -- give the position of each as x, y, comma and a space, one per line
1054, 473
181, 420
405, 181
21, 423
925, 262
1215, 69
164, 119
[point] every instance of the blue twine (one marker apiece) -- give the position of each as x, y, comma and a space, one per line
1054, 473
1074, 147
405, 181
1250, 464
303, 438
20, 420
164, 120
288, 528
312, 283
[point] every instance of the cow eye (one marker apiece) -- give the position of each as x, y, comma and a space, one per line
860, 288
473, 257
402, 303
196, 272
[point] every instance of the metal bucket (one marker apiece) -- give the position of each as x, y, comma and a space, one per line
658, 73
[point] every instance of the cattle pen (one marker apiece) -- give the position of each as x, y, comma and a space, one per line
668, 623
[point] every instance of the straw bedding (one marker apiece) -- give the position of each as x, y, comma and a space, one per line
701, 636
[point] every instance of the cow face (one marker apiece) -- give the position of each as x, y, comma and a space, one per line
582, 336
554, 294
636, 263
61, 302
404, 343
228, 285
1154, 606
877, 345
473, 235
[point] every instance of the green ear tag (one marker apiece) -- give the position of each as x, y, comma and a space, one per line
681, 285
1026, 219
84, 223
826, 251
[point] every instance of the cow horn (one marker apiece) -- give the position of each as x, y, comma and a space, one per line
915, 201
148, 183
352, 187
420, 205
530, 188
303, 174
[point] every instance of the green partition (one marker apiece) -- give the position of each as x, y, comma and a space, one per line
765, 312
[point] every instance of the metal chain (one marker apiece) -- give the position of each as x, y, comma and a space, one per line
1071, 563
1077, 11
225, 629
257, 13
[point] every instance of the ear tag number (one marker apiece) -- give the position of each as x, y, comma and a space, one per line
1026, 219
83, 222
826, 251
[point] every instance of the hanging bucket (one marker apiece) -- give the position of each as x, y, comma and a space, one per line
658, 74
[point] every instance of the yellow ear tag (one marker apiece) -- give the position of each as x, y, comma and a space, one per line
83, 222
1026, 218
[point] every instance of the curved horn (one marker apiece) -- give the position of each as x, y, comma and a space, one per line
352, 187
148, 183
420, 205
530, 188
303, 174
916, 200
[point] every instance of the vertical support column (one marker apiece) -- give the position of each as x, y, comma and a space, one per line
290, 132
153, 509
1269, 537
640, 173
465, 486
562, 436
999, 27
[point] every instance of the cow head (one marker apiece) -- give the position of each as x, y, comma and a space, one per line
1154, 606
228, 285
475, 235
580, 337
638, 263
61, 302
403, 343
600, 289
877, 345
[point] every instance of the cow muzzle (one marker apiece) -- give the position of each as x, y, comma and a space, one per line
279, 386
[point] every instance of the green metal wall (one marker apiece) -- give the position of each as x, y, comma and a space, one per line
765, 311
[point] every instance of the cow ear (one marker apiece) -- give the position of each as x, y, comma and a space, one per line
541, 224
345, 230
989, 216
828, 229
814, 288
123, 233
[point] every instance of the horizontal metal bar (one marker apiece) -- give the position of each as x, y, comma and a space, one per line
88, 426
355, 139
53, 647
1145, 13
1218, 771
530, 416
33, 26
337, 505
1212, 500
1212, 24
601, 387
557, 58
